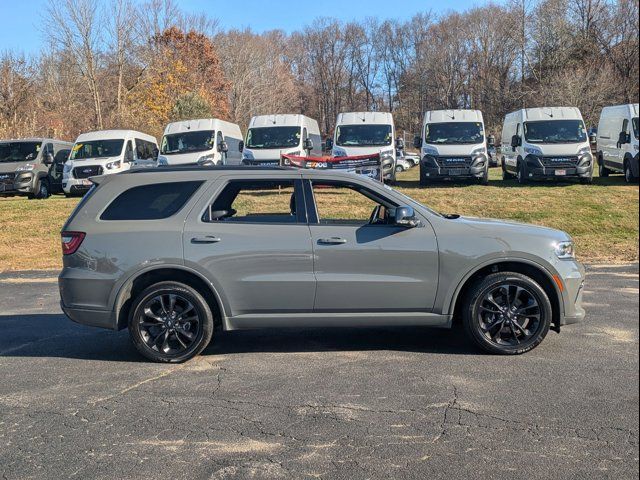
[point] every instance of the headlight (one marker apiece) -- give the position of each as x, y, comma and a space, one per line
112, 165
295, 153
67, 168
533, 151
478, 151
427, 150
206, 160
386, 154
247, 154
26, 167
162, 161
565, 250
339, 152
584, 151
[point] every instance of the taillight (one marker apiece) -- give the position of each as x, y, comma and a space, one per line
71, 241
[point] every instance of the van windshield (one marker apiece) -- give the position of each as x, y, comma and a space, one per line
363, 135
636, 129
186, 142
555, 131
19, 151
273, 137
97, 149
454, 133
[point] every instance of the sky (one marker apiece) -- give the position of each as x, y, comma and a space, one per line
20, 18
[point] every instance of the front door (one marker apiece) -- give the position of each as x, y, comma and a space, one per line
253, 242
364, 263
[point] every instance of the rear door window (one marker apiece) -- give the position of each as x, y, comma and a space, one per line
151, 202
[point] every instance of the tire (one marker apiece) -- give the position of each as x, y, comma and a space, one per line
399, 169
179, 342
586, 181
602, 170
508, 339
43, 191
522, 174
423, 181
628, 173
484, 180
505, 174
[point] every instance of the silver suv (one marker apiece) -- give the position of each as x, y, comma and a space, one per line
172, 254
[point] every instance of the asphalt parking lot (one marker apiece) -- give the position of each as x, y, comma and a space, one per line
77, 402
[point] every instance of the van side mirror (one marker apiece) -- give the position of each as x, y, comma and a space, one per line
155, 154
223, 147
328, 144
308, 144
417, 142
516, 141
241, 146
405, 217
400, 143
623, 138
491, 141
593, 138
47, 158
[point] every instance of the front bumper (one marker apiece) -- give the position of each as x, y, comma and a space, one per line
572, 274
22, 183
536, 169
437, 168
75, 186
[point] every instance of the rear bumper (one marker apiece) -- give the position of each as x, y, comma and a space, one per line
84, 297
92, 318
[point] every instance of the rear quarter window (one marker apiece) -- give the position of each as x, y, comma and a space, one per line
151, 202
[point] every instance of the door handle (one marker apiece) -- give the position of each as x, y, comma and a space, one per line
332, 241
206, 239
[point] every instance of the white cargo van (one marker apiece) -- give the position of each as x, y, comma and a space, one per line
106, 152
453, 146
206, 141
270, 136
546, 143
367, 133
618, 141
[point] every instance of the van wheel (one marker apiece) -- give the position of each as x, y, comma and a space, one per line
507, 313
628, 173
43, 191
170, 322
602, 170
423, 180
522, 174
484, 179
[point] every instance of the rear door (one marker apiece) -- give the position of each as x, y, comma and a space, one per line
363, 264
250, 237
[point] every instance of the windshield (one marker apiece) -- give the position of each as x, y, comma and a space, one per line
185, 142
454, 133
555, 131
96, 149
273, 137
635, 127
19, 151
363, 135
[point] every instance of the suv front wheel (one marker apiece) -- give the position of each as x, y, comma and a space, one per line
170, 322
507, 313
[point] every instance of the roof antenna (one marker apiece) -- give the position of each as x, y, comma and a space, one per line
453, 115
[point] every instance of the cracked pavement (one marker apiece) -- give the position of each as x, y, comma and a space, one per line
78, 402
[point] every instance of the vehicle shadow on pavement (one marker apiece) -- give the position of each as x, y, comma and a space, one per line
54, 336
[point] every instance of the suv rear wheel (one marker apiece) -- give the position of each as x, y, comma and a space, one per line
507, 313
170, 322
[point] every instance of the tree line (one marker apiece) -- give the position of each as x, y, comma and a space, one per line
140, 64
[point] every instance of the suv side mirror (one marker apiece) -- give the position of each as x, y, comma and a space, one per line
417, 142
47, 158
491, 141
516, 141
405, 217
241, 146
223, 147
399, 143
308, 144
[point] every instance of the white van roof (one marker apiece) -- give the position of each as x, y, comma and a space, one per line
35, 139
197, 125
545, 113
631, 108
354, 118
114, 134
280, 120
442, 116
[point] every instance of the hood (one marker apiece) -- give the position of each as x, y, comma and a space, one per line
185, 158
454, 150
10, 167
560, 149
269, 153
339, 151
86, 162
496, 228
